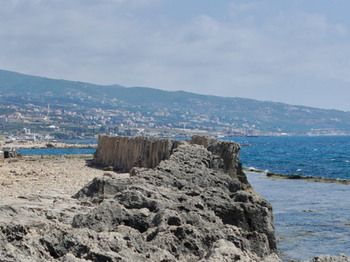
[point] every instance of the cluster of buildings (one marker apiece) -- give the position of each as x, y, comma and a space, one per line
38, 122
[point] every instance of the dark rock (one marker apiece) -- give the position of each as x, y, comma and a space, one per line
108, 168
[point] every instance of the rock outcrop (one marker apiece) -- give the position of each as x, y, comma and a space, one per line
229, 152
123, 153
186, 208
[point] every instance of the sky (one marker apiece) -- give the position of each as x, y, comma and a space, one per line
295, 52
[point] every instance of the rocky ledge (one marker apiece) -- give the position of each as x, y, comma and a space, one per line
193, 205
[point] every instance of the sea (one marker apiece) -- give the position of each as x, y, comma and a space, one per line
311, 218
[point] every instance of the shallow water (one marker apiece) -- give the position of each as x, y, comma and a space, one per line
310, 218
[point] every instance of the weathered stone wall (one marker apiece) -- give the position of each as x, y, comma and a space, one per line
124, 153
229, 152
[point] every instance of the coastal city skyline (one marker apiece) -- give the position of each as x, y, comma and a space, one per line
291, 52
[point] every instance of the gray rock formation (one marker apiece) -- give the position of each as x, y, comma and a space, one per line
187, 208
229, 152
184, 206
123, 153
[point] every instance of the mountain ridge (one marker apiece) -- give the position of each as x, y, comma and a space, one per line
172, 108
151, 89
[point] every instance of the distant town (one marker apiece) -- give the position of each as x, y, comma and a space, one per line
33, 122
34, 108
30, 122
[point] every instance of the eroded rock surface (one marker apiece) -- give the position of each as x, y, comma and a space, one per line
184, 205
229, 152
187, 208
123, 153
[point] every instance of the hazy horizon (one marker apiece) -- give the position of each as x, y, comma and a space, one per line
290, 52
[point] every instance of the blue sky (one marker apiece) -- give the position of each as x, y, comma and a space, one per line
296, 52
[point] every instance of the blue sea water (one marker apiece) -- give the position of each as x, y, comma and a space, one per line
310, 218
63, 151
56, 151
323, 156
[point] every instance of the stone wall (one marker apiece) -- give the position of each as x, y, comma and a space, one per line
124, 153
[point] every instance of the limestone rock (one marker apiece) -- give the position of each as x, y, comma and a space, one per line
184, 205
229, 152
187, 208
124, 153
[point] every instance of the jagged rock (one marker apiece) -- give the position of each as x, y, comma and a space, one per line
181, 210
184, 205
229, 152
124, 153
192, 206
223, 250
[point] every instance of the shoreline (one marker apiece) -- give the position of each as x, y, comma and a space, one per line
55, 175
50, 174
310, 218
43, 144
47, 144
274, 175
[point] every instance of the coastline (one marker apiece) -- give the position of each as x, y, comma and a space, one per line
274, 175
49, 174
47, 144
310, 218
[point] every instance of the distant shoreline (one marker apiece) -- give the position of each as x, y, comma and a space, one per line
300, 177
48, 145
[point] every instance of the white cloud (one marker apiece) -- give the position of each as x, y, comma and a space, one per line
253, 53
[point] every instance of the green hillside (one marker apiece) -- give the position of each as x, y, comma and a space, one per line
172, 109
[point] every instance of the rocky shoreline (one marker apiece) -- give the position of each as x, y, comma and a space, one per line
45, 144
307, 178
190, 204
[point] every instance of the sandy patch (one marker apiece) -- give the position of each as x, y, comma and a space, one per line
58, 175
